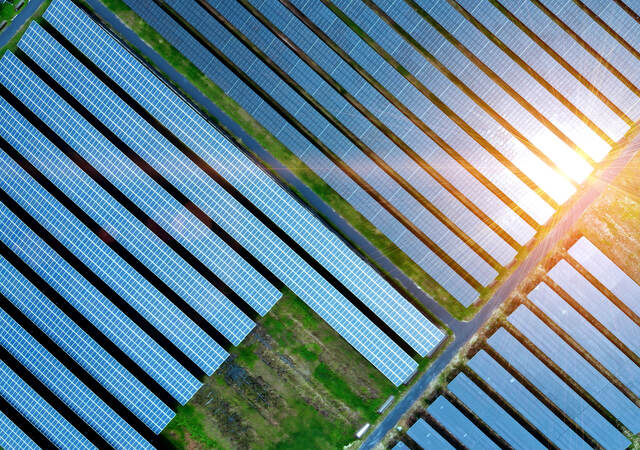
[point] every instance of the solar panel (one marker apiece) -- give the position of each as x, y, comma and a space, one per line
548, 68
577, 368
458, 425
105, 210
131, 180
12, 437
85, 298
400, 446
492, 414
607, 272
525, 402
106, 263
426, 437
258, 187
338, 180
556, 186
556, 390
590, 298
37, 411
340, 108
83, 349
587, 336
471, 150
62, 383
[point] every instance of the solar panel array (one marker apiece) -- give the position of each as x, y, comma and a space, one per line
126, 218
457, 128
562, 372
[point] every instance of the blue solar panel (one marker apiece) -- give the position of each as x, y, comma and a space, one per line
400, 446
83, 349
37, 411
96, 308
557, 390
471, 150
66, 386
138, 239
12, 437
606, 272
608, 314
276, 203
491, 413
426, 437
458, 425
577, 368
545, 65
528, 87
338, 180
597, 37
104, 262
587, 336
359, 125
131, 180
525, 402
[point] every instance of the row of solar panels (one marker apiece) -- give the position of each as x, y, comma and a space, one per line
455, 127
584, 392
136, 242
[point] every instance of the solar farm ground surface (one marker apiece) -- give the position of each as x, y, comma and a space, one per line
291, 384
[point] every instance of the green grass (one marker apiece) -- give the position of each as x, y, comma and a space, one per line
188, 418
13, 42
290, 160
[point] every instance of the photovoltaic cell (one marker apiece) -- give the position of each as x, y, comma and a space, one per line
586, 335
556, 390
131, 180
458, 425
426, 437
12, 437
590, 298
62, 383
105, 262
491, 413
577, 368
83, 349
85, 298
607, 272
138, 239
525, 402
266, 194
290, 137
400, 446
37, 411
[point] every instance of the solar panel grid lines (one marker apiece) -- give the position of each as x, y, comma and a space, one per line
525, 402
415, 249
367, 339
597, 345
596, 304
12, 437
190, 119
406, 208
165, 210
497, 128
426, 437
86, 352
526, 193
459, 425
91, 304
113, 217
62, 383
606, 272
492, 413
441, 156
105, 263
40, 413
296, 67
556, 390
577, 368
